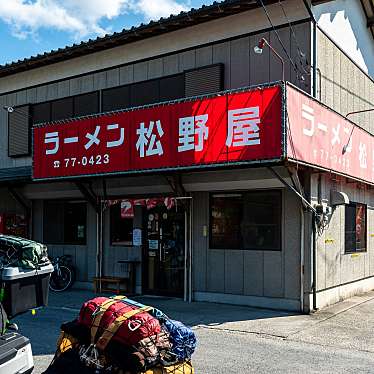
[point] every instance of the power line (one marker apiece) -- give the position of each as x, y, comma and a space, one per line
302, 55
296, 69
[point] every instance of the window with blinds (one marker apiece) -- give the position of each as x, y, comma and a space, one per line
19, 132
205, 80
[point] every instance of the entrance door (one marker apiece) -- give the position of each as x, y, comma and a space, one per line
164, 251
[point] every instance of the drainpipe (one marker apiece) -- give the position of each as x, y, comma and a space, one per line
314, 251
314, 47
302, 250
190, 259
185, 298
314, 254
314, 244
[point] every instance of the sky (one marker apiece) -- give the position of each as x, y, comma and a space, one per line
29, 27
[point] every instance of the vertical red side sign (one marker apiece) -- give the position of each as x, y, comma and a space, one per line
319, 136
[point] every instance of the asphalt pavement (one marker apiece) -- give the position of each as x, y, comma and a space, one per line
236, 339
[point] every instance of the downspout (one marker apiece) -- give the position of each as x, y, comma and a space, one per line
97, 241
103, 205
314, 47
190, 259
314, 254
185, 298
302, 250
314, 246
309, 206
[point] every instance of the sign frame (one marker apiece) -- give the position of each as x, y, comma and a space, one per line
345, 138
209, 166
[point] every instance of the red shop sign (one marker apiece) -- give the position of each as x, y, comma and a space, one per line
319, 136
236, 127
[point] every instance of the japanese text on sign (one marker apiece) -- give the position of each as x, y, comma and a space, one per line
236, 127
321, 137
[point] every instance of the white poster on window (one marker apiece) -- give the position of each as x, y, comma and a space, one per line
137, 237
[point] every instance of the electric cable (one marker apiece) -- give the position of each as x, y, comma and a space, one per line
296, 69
301, 54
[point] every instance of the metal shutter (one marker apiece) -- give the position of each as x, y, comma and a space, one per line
205, 80
19, 132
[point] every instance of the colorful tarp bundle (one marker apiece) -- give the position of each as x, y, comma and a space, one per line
119, 335
23, 253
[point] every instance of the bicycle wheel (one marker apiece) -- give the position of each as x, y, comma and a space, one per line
61, 282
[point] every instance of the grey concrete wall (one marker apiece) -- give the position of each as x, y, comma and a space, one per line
242, 67
342, 85
244, 272
83, 256
334, 266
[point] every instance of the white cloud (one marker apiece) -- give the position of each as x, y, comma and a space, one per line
80, 18
156, 9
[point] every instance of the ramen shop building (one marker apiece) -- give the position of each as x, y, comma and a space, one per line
175, 155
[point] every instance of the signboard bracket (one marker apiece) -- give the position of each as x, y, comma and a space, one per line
89, 196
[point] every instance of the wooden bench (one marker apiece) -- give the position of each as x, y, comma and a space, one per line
110, 284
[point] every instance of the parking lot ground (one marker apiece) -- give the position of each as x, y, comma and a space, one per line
234, 339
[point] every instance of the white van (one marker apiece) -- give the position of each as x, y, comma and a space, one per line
15, 354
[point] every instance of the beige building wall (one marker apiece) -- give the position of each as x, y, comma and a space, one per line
339, 274
342, 85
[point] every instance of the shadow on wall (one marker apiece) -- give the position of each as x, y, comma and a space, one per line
345, 22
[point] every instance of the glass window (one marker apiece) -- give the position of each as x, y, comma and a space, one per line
144, 93
225, 218
172, 88
86, 104
355, 227
62, 109
41, 113
116, 98
64, 222
120, 228
247, 220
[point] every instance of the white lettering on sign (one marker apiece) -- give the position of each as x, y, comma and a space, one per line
243, 130
52, 137
322, 127
308, 113
363, 156
93, 138
189, 128
243, 127
147, 145
73, 139
336, 137
121, 139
